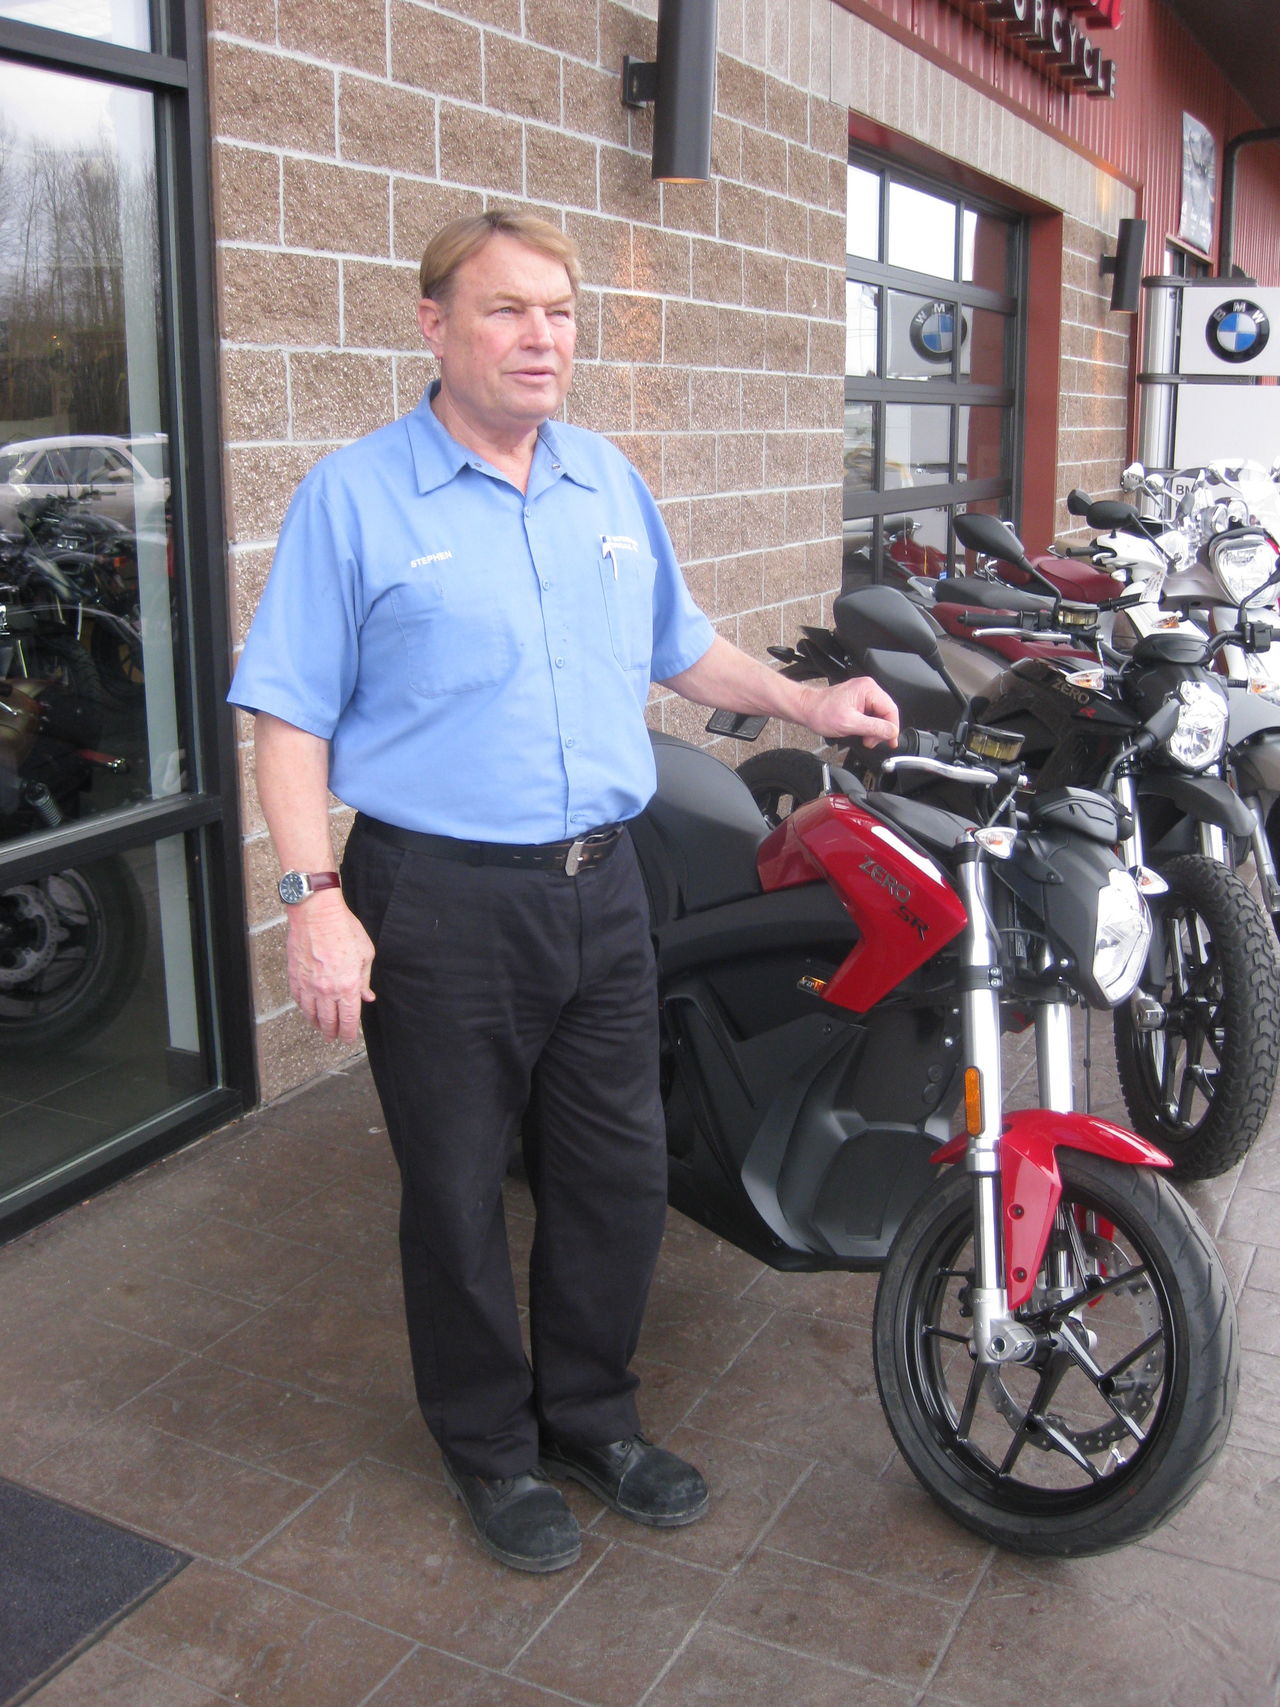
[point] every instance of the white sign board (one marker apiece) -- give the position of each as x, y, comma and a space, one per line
1226, 421
1230, 330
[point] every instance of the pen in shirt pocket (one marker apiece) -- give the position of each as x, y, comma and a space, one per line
611, 544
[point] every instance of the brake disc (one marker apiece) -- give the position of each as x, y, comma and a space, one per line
30, 938
1142, 1378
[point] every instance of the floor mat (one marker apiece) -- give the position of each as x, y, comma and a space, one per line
65, 1577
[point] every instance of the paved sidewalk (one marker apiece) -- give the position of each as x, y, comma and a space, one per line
212, 1354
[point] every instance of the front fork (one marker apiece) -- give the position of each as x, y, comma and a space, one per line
997, 1336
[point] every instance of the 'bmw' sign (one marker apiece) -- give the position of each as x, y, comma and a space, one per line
1237, 330
932, 331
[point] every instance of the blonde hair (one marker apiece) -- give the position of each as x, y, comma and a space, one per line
461, 238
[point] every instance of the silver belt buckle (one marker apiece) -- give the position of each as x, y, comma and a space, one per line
573, 859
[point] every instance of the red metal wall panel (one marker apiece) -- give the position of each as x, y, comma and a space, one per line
1161, 73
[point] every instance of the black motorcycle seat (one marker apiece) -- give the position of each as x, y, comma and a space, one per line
988, 595
706, 824
932, 828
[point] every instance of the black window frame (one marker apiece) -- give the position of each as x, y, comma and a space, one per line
207, 814
1006, 492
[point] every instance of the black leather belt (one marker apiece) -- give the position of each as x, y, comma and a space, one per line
569, 857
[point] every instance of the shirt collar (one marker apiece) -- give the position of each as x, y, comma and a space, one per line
439, 458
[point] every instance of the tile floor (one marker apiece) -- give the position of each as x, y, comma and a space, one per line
211, 1353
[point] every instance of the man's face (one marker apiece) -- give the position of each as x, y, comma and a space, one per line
504, 337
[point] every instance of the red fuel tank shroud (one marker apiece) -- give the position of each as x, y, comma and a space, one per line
1030, 1184
902, 903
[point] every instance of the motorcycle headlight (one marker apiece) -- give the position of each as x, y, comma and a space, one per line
1202, 726
1242, 565
1122, 938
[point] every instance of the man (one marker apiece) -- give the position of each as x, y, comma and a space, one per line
457, 637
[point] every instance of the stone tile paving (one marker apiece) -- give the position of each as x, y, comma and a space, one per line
211, 1353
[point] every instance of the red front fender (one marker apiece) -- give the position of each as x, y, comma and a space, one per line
1030, 1184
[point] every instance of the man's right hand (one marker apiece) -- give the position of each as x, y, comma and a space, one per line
329, 957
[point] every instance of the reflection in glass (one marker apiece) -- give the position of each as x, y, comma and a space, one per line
922, 336
980, 443
922, 232
917, 443
86, 643
127, 23
98, 1017
986, 355
862, 329
859, 452
859, 566
862, 216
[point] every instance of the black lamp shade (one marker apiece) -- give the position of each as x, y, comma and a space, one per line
686, 92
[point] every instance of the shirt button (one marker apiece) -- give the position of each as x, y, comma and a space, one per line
547, 582
527, 514
569, 741
559, 663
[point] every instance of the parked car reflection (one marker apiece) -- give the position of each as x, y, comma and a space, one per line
113, 477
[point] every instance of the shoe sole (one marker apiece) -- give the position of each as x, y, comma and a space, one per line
517, 1561
571, 1472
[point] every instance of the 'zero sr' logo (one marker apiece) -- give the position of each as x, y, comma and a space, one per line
899, 891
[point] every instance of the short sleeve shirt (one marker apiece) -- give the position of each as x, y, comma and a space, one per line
478, 657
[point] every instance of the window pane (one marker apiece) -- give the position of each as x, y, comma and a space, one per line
860, 553
922, 333
917, 444
862, 329
859, 452
98, 1016
862, 215
922, 232
127, 23
986, 250
986, 352
86, 648
981, 437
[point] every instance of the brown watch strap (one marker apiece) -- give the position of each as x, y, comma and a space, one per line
324, 880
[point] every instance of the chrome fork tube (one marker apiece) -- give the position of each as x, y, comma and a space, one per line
1054, 1076
1213, 842
1131, 849
997, 1338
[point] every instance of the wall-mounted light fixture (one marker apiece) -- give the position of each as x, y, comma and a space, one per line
681, 84
1124, 268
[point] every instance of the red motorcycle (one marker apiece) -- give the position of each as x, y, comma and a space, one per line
1054, 1334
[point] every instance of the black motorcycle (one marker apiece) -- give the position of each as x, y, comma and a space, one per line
1054, 1338
1198, 1048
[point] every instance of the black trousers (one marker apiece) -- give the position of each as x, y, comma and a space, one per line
517, 1000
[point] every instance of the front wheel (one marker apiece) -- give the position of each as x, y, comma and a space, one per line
1200, 1085
1114, 1422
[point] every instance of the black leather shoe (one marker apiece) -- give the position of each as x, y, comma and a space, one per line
634, 1477
522, 1520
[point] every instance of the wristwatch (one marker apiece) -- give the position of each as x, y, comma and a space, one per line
295, 886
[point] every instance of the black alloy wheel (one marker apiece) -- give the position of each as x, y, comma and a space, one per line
1115, 1420
1200, 1085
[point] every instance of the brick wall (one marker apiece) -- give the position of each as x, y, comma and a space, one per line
711, 326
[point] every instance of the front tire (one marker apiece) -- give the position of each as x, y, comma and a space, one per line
1201, 1086
1054, 1460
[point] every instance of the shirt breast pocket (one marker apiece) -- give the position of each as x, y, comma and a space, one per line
626, 578
452, 644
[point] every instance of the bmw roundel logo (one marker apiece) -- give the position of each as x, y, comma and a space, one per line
1237, 331
933, 331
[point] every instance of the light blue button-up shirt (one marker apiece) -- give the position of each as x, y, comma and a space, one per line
478, 658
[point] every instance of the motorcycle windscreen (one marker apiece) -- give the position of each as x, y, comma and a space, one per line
903, 904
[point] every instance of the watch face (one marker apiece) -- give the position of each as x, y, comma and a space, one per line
293, 887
